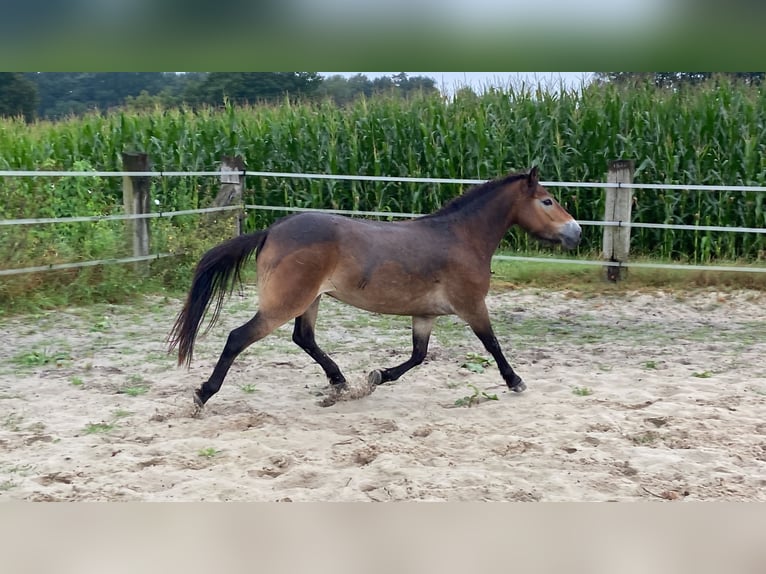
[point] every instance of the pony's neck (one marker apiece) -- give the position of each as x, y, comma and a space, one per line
489, 224
482, 216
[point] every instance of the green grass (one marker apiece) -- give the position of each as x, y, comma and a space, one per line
645, 439
98, 428
19, 469
12, 422
134, 391
476, 363
7, 485
476, 397
208, 452
41, 358
592, 280
102, 325
582, 391
136, 386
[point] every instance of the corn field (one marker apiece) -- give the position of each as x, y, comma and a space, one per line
713, 134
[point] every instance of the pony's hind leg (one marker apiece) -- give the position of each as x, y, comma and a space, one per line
303, 336
288, 285
421, 333
239, 339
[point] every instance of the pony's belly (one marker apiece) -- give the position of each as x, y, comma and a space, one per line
402, 302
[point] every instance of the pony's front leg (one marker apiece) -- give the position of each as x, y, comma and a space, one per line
512, 379
479, 322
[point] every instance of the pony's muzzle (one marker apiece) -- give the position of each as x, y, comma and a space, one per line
570, 234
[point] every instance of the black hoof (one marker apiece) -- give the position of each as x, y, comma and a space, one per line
198, 402
375, 378
517, 385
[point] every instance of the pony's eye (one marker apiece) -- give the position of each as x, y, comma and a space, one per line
547, 202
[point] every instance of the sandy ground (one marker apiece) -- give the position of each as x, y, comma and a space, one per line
639, 396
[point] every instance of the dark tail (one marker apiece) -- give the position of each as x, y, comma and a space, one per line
216, 274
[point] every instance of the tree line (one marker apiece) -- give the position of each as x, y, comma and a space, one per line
677, 79
54, 95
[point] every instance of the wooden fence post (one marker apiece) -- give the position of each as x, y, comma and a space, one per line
618, 208
135, 198
232, 184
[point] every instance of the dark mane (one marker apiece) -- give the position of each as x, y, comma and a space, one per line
477, 193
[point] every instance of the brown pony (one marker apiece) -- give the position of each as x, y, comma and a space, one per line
434, 265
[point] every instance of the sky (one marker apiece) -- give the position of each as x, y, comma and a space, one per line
448, 82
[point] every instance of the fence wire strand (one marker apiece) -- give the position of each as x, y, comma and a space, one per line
93, 263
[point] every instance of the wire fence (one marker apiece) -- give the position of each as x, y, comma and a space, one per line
580, 221
152, 215
386, 214
380, 178
93, 263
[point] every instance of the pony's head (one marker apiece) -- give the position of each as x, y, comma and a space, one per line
540, 215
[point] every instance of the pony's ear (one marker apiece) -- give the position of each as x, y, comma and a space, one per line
532, 177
